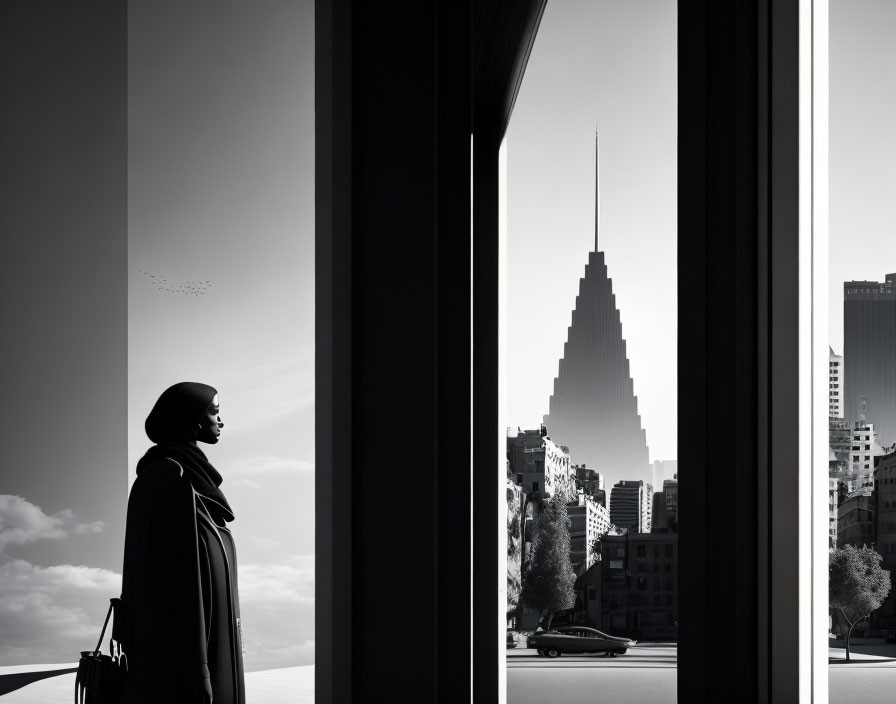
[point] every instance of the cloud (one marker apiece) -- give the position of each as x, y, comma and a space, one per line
263, 542
277, 609
50, 614
275, 584
248, 483
21, 522
272, 463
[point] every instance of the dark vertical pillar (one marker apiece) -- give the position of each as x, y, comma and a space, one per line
452, 432
393, 352
782, 415
63, 292
334, 491
738, 347
485, 415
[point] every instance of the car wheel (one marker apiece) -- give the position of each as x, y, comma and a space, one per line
620, 651
540, 651
551, 653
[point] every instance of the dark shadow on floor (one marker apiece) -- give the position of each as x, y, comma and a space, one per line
858, 660
10, 683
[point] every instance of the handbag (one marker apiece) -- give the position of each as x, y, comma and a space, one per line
100, 678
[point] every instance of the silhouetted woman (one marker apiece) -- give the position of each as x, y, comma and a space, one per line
179, 582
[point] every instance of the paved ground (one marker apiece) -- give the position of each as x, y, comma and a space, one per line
869, 678
646, 674
292, 685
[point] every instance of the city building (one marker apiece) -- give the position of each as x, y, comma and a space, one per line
855, 517
593, 408
665, 508
661, 470
833, 500
591, 483
538, 464
638, 586
884, 619
869, 341
588, 596
631, 505
835, 384
863, 450
839, 442
588, 521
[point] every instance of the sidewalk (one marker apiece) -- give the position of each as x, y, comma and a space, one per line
869, 652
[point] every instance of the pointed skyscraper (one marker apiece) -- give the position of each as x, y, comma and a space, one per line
594, 410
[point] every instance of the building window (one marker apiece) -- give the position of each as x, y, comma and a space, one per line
642, 551
592, 593
642, 583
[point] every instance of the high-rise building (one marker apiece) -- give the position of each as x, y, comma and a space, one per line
869, 353
864, 447
593, 408
631, 505
588, 520
591, 483
855, 518
665, 508
638, 580
661, 470
885, 536
835, 384
538, 464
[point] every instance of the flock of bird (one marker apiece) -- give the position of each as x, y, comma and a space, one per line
187, 288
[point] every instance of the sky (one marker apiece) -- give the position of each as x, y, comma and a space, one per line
221, 169
862, 148
218, 187
610, 66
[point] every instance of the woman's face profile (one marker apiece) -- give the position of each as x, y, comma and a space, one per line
210, 423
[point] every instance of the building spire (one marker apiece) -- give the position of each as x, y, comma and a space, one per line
596, 188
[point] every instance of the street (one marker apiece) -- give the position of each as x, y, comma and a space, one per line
646, 674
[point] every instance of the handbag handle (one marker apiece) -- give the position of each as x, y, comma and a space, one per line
99, 643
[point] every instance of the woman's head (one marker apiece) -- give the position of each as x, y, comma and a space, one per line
185, 412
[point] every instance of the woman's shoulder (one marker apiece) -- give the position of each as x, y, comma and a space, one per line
161, 474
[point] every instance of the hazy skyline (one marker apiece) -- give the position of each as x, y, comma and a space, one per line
611, 67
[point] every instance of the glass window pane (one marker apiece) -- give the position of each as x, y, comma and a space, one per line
590, 361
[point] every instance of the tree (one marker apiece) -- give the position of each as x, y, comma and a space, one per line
549, 579
857, 584
514, 548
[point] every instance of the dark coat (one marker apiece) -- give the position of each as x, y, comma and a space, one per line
179, 588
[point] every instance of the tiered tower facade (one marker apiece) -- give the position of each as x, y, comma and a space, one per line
593, 409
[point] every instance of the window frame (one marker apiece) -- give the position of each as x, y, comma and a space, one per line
742, 315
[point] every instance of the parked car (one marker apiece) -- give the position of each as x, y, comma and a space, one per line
577, 639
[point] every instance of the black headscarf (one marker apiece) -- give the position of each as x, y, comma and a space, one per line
171, 424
